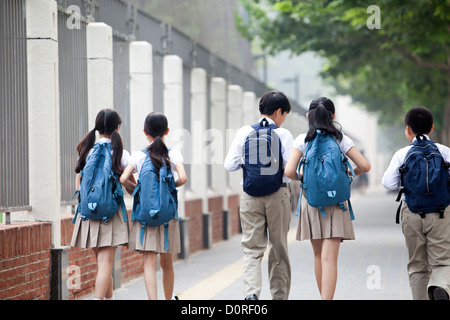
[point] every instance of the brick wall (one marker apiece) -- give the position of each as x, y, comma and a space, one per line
131, 262
194, 213
25, 261
215, 206
25, 258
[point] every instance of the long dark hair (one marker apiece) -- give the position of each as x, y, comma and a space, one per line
156, 126
320, 116
106, 122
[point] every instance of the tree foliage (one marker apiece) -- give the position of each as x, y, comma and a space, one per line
388, 70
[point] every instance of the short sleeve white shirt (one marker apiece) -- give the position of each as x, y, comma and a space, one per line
125, 154
234, 158
345, 144
391, 177
138, 157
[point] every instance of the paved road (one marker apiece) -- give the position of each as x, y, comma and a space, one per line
371, 267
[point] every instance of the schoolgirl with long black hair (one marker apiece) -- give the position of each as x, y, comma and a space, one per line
102, 236
152, 244
324, 232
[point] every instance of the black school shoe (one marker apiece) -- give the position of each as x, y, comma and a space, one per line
251, 297
438, 293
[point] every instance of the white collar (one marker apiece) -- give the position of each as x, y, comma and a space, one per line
103, 140
268, 120
426, 136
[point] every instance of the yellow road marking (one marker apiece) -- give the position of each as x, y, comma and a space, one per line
215, 283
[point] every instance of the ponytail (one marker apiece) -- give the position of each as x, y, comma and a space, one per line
106, 123
156, 126
83, 148
320, 117
117, 148
158, 152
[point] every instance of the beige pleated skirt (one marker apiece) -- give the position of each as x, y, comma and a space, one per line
336, 224
95, 234
154, 238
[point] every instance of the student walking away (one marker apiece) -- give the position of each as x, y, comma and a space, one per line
262, 150
319, 160
101, 220
421, 170
155, 228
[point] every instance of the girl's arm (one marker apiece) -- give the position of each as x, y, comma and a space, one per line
77, 181
182, 176
127, 179
291, 167
362, 165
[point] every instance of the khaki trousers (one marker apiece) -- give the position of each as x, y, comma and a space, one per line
428, 243
265, 219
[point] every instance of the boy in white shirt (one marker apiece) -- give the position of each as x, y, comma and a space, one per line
265, 217
427, 235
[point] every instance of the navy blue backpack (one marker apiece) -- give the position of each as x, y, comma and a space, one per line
263, 166
155, 198
100, 191
325, 174
424, 179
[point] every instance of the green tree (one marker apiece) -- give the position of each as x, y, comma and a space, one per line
403, 63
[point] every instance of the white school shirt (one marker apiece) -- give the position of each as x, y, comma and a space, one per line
345, 144
235, 158
391, 177
125, 154
138, 158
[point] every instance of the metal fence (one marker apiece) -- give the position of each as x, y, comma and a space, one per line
129, 23
14, 191
73, 98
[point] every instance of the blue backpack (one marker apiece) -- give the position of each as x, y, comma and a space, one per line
155, 198
325, 175
100, 192
263, 166
424, 179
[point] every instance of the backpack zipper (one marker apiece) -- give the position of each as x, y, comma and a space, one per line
426, 175
92, 186
94, 176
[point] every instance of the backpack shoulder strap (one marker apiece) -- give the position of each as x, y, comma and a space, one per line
264, 123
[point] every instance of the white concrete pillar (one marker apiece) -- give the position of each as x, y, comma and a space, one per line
141, 91
217, 138
235, 113
43, 116
173, 99
100, 69
375, 174
199, 167
251, 111
173, 109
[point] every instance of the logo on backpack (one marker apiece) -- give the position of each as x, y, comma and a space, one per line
155, 198
325, 175
331, 194
424, 179
262, 168
100, 191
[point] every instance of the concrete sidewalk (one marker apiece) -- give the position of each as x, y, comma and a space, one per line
371, 267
